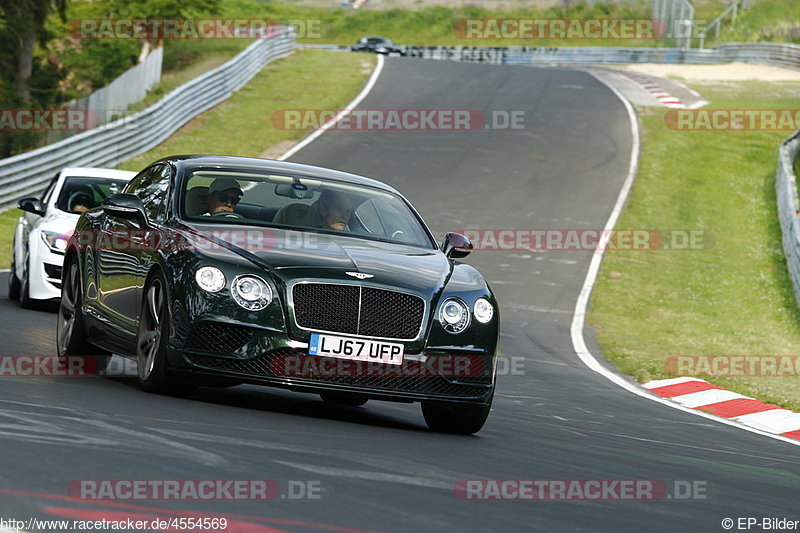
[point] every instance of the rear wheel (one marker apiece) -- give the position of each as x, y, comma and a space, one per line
13, 280
152, 342
460, 418
70, 335
343, 398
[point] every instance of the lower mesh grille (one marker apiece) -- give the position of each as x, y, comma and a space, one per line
300, 367
218, 337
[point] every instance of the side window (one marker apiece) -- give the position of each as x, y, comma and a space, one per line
152, 187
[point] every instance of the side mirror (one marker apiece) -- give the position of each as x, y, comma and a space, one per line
124, 205
456, 245
31, 205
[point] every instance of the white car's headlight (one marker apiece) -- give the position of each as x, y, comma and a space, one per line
483, 310
57, 242
251, 292
454, 315
210, 278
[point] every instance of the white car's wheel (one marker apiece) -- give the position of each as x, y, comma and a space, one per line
13, 280
25, 300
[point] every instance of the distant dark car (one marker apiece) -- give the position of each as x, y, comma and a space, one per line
378, 45
217, 270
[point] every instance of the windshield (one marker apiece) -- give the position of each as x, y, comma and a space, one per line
79, 193
300, 203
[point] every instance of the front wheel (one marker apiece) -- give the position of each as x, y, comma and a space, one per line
25, 300
451, 417
152, 342
70, 335
13, 280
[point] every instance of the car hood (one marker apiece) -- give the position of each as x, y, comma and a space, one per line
294, 255
58, 221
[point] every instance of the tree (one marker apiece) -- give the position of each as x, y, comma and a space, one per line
23, 26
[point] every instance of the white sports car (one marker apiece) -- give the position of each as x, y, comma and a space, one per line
41, 235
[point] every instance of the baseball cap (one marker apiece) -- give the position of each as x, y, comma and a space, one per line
223, 184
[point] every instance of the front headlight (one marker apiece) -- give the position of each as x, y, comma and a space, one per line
251, 292
210, 278
483, 310
57, 242
454, 315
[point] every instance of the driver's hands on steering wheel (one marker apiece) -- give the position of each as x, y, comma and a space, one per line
227, 214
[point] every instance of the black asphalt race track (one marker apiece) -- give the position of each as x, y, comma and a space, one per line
378, 468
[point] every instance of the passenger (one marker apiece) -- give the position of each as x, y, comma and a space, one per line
335, 210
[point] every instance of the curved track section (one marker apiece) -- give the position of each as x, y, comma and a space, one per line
378, 467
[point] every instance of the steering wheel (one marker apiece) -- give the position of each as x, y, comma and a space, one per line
398, 233
227, 214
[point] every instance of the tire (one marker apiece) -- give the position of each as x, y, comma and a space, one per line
13, 280
70, 334
459, 418
152, 341
25, 300
345, 399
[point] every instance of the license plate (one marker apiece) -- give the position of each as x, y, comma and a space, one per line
390, 353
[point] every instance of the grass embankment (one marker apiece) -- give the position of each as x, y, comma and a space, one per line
732, 298
434, 25
766, 20
8, 220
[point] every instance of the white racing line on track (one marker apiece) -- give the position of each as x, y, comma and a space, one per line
373, 79
579, 317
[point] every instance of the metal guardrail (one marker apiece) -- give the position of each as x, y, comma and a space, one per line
571, 55
778, 54
27, 174
788, 205
677, 18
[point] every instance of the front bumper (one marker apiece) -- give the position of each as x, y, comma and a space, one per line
45, 275
265, 357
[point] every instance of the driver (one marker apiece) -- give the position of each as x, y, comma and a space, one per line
223, 195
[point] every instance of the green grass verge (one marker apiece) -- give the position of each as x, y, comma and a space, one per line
732, 298
193, 59
766, 20
8, 221
433, 25
242, 124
